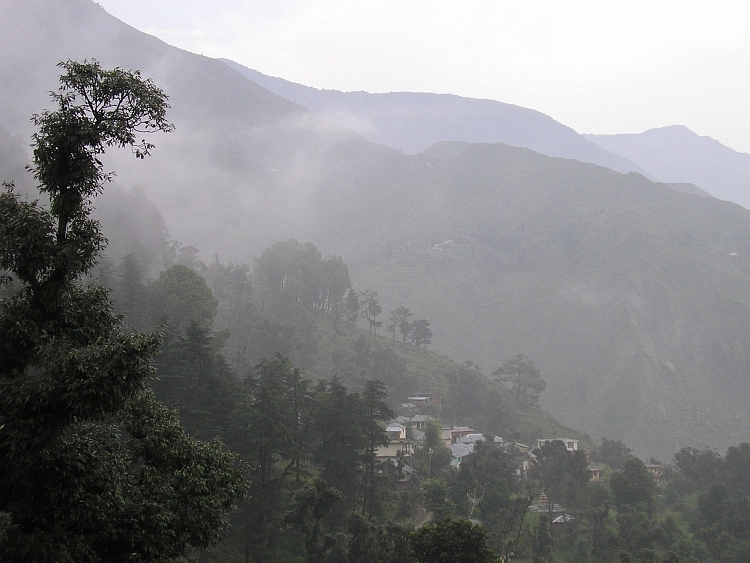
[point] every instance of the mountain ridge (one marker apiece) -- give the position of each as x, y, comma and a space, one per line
604, 279
413, 121
677, 154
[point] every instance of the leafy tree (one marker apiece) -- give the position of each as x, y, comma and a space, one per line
92, 468
310, 505
542, 546
269, 432
377, 360
393, 324
285, 261
180, 296
421, 335
634, 484
431, 445
451, 541
436, 498
523, 377
193, 376
704, 467
487, 482
556, 469
339, 439
372, 309
637, 531
371, 542
404, 324
612, 452
334, 284
299, 273
352, 306
737, 462
129, 293
195, 379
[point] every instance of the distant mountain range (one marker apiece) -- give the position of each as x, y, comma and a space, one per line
632, 297
412, 122
676, 154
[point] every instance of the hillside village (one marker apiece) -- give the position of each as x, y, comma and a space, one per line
407, 432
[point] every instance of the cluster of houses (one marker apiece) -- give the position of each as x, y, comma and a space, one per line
407, 431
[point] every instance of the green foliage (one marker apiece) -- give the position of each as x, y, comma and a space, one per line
352, 307
180, 296
129, 292
310, 505
542, 546
372, 309
298, 272
703, 467
382, 543
92, 468
400, 318
558, 472
5, 522
523, 377
633, 485
436, 498
451, 541
421, 334
612, 452
486, 483
737, 463
375, 413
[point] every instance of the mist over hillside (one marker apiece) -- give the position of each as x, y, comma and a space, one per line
632, 298
411, 122
676, 154
239, 155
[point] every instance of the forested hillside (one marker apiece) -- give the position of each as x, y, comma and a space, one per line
156, 407
317, 492
630, 297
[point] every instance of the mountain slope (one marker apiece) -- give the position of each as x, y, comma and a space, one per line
676, 154
633, 299
240, 155
411, 122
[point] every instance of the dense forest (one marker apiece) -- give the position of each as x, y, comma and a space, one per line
309, 438
227, 413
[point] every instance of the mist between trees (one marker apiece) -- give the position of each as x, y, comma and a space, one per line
226, 413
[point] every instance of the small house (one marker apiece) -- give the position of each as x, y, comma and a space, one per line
396, 432
419, 421
570, 444
460, 431
459, 451
596, 472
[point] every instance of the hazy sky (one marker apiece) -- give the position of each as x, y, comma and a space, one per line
598, 66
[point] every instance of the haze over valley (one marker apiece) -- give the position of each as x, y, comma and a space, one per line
619, 263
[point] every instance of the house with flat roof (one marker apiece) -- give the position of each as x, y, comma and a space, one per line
570, 444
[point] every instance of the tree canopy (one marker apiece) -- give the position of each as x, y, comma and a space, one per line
92, 468
523, 377
451, 541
